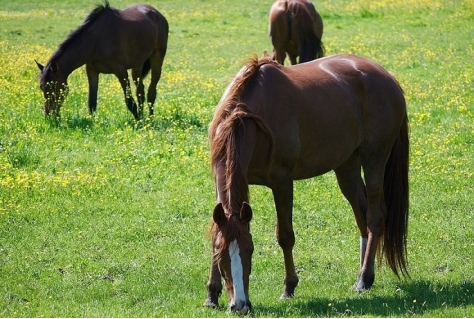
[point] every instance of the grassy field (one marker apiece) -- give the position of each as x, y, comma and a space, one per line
105, 217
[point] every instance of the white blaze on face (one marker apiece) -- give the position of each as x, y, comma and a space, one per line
237, 272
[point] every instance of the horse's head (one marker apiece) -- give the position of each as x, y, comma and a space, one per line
233, 247
53, 83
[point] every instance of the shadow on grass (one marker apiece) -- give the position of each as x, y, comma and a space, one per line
75, 122
161, 123
80, 123
177, 119
411, 299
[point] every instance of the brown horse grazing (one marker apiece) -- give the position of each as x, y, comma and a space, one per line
110, 41
276, 124
296, 28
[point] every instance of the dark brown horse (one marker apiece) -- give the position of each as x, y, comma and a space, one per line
297, 29
276, 124
110, 41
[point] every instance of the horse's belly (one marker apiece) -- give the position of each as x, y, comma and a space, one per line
319, 157
309, 169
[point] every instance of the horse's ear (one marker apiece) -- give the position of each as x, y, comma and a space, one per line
219, 215
265, 54
40, 66
246, 213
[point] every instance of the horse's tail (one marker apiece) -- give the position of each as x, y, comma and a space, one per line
311, 47
396, 194
310, 28
146, 68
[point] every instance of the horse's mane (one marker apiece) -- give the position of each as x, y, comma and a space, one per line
228, 117
222, 131
98, 10
303, 16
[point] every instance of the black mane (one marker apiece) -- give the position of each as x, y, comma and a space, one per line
99, 10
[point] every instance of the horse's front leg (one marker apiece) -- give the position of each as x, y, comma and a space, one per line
214, 286
138, 81
93, 79
127, 91
283, 196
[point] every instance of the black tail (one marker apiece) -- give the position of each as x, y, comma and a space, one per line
396, 198
146, 68
311, 47
304, 19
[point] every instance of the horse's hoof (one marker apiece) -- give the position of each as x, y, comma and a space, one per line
289, 289
243, 309
287, 295
211, 304
359, 287
362, 285
243, 312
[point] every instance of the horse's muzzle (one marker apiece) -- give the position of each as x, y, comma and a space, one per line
241, 307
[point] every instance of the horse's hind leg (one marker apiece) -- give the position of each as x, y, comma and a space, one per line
352, 186
138, 80
292, 59
156, 62
279, 55
127, 91
374, 170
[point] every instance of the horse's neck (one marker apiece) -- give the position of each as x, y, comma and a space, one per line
231, 192
75, 55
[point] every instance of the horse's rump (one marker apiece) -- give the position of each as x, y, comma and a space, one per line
297, 28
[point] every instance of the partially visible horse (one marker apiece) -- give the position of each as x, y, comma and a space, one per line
110, 41
276, 124
295, 28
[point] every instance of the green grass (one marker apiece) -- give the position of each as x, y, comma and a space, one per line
105, 217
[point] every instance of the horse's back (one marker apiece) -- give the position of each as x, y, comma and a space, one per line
375, 93
146, 17
350, 84
142, 12
129, 36
320, 112
348, 76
